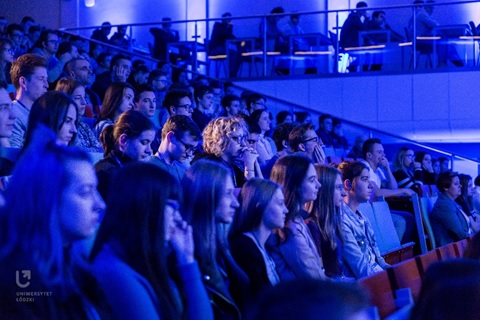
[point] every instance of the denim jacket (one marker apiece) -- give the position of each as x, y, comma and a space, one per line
360, 253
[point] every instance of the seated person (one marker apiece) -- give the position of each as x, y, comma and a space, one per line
449, 222
407, 171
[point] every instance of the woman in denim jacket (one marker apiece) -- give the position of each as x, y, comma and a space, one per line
360, 253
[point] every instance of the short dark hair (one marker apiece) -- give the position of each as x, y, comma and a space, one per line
12, 27
228, 99
116, 58
179, 125
64, 47
368, 146
155, 73
140, 89
376, 14
25, 66
444, 180
362, 4
282, 115
476, 182
253, 97
297, 135
173, 97
281, 133
200, 91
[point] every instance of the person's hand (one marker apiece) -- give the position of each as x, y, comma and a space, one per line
248, 157
67, 56
121, 73
182, 242
384, 163
417, 165
408, 192
319, 155
428, 167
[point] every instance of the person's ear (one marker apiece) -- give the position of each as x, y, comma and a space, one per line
347, 184
169, 136
285, 144
173, 110
301, 147
22, 81
123, 142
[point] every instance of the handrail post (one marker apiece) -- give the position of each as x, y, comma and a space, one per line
264, 46
337, 46
414, 38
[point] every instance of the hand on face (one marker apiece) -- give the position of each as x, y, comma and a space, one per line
182, 241
248, 156
318, 155
383, 162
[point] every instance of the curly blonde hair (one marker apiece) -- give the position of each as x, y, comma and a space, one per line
216, 135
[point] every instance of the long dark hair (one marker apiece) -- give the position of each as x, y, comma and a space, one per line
50, 109
30, 223
135, 221
325, 213
255, 197
203, 185
464, 200
289, 172
113, 99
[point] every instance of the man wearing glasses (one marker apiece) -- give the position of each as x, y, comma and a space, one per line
180, 137
304, 139
49, 42
16, 34
178, 102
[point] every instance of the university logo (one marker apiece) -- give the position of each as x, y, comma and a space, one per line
26, 274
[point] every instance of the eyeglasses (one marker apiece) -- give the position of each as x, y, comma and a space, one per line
188, 148
410, 156
314, 139
238, 139
186, 106
252, 141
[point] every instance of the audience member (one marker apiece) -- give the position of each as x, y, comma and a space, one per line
465, 200
338, 137
384, 184
139, 75
144, 252
179, 102
304, 139
102, 33
58, 112
360, 252
262, 209
292, 247
444, 164
210, 204
379, 22
85, 138
255, 101
162, 37
231, 105
309, 299
120, 38
224, 140
303, 117
429, 176
356, 22
221, 33
476, 195
407, 171
7, 120
120, 69
356, 152
47, 47
6, 59
271, 31
325, 220
29, 76
119, 98
180, 78
325, 128
16, 34
449, 222
126, 141
280, 137
450, 290
104, 62
158, 80
55, 203
204, 100
284, 117
265, 145
180, 138
80, 69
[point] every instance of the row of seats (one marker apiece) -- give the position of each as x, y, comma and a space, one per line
397, 287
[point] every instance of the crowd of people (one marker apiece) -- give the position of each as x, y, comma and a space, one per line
197, 207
